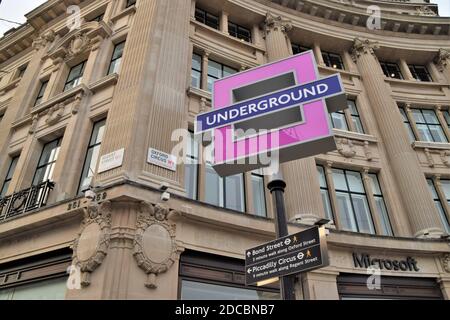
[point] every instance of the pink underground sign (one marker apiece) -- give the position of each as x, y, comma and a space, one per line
277, 111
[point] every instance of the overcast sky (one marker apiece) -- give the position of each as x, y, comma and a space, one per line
16, 9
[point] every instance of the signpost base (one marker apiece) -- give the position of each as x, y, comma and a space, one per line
276, 187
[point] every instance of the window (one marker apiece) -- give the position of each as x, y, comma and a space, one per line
225, 192
447, 117
191, 168
99, 17
356, 119
217, 71
116, 58
259, 196
39, 277
191, 290
391, 70
213, 277
341, 119
296, 49
196, 71
380, 206
41, 93
352, 202
239, 32
21, 71
428, 125
338, 120
130, 3
75, 76
9, 175
90, 163
420, 73
333, 60
53, 289
446, 188
46, 165
408, 126
325, 193
207, 18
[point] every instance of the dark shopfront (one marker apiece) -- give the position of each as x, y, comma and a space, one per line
354, 287
204, 276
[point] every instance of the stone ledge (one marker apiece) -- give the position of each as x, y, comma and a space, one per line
104, 82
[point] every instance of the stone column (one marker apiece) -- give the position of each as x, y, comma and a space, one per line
442, 62
406, 168
318, 55
150, 96
303, 198
204, 75
224, 22
407, 75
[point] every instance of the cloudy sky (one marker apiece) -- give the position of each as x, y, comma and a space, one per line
15, 9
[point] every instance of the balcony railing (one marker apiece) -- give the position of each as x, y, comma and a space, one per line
25, 201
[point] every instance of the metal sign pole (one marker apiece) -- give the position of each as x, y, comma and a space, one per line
276, 187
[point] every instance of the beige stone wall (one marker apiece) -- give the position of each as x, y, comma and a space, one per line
151, 96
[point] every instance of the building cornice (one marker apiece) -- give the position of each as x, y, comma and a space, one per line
331, 28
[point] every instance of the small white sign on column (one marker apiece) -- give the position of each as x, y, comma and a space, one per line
111, 160
162, 159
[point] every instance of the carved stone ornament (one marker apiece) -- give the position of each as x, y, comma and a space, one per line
91, 246
446, 263
346, 148
276, 23
155, 247
79, 40
425, 11
43, 39
55, 114
442, 59
361, 47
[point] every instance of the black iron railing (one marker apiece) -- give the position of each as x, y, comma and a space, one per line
24, 201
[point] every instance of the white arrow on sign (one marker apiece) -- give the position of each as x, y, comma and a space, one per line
249, 254
249, 270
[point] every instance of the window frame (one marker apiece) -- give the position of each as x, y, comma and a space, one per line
194, 159
297, 49
385, 67
129, 3
90, 147
78, 77
438, 201
41, 92
350, 193
222, 71
381, 196
237, 33
259, 176
113, 60
413, 69
9, 175
327, 56
327, 189
51, 163
200, 71
439, 124
205, 18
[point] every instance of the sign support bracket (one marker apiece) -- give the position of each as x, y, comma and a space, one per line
277, 186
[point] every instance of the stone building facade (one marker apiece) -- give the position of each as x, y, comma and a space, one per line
124, 76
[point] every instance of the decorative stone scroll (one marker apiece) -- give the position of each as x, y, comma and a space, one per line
155, 247
276, 23
91, 246
442, 59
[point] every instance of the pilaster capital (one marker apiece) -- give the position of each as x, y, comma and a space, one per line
42, 40
442, 59
361, 47
276, 23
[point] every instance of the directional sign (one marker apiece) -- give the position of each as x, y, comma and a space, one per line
293, 254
